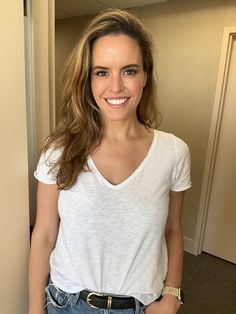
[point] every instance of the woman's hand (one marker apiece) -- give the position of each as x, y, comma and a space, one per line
169, 304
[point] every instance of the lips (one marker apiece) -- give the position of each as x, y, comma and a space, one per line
117, 101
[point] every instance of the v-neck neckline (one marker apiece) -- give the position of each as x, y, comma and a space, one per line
99, 175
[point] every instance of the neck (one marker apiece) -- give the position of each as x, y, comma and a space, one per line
122, 130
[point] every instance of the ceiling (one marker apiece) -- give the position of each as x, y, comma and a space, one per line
71, 8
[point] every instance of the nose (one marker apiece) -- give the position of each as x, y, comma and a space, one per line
116, 83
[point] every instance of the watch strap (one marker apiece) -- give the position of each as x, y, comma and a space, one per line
177, 292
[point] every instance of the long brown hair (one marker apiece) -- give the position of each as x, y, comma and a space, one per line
80, 129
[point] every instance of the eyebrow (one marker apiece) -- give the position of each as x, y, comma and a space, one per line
100, 67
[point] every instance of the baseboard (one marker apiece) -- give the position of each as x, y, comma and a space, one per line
189, 245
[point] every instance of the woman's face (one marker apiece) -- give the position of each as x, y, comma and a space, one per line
117, 77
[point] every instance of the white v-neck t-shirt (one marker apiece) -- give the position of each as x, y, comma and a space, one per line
111, 237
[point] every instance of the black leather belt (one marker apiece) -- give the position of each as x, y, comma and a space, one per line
101, 301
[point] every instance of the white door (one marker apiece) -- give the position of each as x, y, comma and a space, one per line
220, 231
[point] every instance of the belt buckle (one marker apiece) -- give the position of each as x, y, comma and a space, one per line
88, 300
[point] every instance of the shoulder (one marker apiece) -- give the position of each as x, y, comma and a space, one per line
50, 155
46, 171
171, 142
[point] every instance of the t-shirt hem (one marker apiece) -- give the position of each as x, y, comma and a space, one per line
180, 189
134, 295
39, 178
64, 288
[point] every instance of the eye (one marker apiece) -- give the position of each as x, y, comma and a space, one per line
101, 73
130, 72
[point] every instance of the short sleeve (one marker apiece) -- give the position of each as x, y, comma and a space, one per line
45, 164
181, 174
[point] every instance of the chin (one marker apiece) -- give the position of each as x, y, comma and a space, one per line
118, 117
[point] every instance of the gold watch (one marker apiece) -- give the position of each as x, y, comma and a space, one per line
177, 292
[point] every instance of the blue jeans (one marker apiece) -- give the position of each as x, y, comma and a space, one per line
60, 302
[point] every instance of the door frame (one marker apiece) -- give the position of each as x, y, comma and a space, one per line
218, 107
43, 47
40, 32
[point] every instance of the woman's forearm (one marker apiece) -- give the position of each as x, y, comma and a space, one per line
38, 273
42, 243
174, 240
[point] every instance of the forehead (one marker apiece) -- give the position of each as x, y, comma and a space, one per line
116, 48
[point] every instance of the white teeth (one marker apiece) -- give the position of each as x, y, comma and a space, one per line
118, 101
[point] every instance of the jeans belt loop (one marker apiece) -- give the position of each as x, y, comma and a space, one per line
109, 302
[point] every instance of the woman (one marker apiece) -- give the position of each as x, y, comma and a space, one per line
111, 186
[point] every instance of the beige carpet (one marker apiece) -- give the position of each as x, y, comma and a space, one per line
209, 285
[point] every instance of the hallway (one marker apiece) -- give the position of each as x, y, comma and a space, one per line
209, 284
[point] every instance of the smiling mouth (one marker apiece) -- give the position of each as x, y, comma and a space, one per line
116, 101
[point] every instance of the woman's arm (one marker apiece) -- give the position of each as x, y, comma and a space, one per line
42, 243
169, 304
174, 240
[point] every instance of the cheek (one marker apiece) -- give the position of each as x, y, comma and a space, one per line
97, 88
138, 89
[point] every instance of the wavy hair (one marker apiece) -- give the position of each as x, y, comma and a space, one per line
80, 129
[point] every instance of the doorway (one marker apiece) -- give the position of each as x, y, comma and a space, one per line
217, 231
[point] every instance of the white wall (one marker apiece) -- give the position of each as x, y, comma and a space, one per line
14, 209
